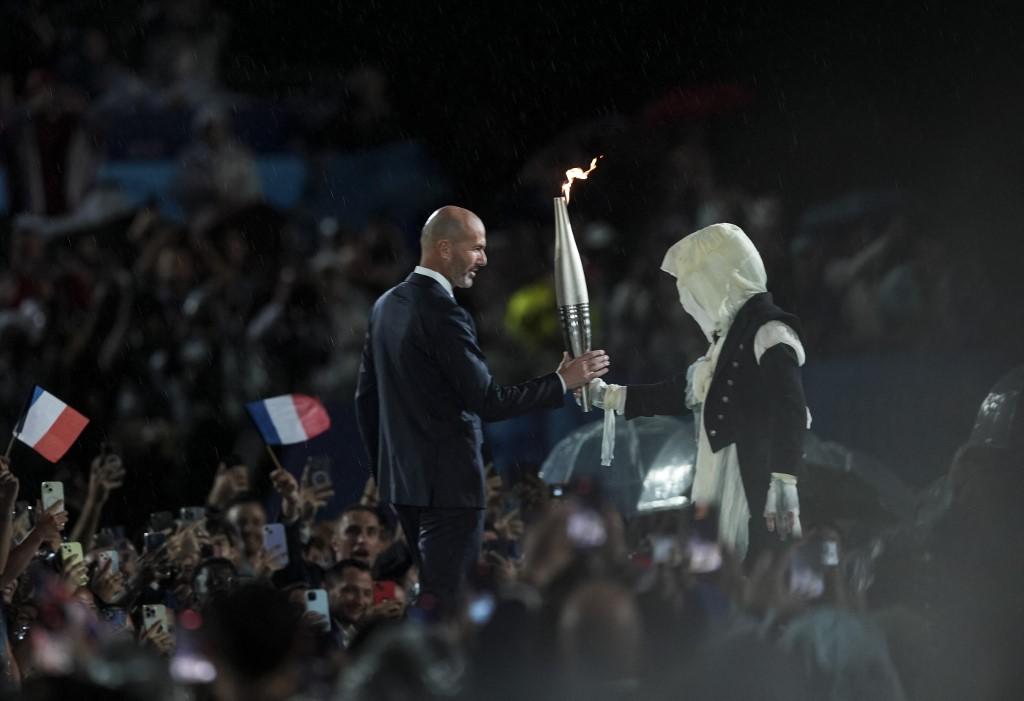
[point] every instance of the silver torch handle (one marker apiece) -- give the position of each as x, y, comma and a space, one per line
576, 333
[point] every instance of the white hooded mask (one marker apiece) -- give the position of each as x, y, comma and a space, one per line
717, 269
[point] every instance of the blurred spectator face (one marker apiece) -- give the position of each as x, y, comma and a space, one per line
249, 518
350, 594
319, 552
358, 537
223, 547
8, 591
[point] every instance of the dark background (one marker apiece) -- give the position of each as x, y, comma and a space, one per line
925, 99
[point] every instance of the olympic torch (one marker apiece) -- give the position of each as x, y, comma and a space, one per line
570, 283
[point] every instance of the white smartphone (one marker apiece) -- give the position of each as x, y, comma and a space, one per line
275, 543
316, 602
156, 613
111, 556
52, 492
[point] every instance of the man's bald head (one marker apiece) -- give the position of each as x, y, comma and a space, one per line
448, 223
452, 242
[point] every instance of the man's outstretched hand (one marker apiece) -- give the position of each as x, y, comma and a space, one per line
577, 372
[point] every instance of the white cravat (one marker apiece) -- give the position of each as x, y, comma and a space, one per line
441, 279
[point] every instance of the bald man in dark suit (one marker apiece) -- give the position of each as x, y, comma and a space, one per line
424, 389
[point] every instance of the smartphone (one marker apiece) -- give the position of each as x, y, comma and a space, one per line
830, 552
52, 492
481, 608
161, 521
585, 529
111, 556
806, 576
153, 541
155, 613
192, 513
319, 470
68, 551
663, 549
116, 616
383, 591
316, 602
275, 542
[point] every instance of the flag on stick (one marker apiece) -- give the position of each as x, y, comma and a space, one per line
289, 418
49, 426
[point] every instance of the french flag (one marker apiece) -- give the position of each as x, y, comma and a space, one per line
290, 418
49, 426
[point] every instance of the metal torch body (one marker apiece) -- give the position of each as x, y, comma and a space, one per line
571, 292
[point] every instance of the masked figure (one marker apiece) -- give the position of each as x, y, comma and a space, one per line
746, 392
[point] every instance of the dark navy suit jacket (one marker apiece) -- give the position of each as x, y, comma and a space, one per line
423, 389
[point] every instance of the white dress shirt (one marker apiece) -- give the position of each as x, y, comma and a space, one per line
441, 279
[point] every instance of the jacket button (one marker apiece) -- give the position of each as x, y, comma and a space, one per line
735, 364
720, 417
741, 346
730, 383
712, 433
725, 399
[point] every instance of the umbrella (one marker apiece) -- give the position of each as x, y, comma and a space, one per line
654, 466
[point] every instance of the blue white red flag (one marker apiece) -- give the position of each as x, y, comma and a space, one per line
290, 418
49, 426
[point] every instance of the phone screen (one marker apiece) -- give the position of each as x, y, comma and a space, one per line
806, 578
383, 591
319, 470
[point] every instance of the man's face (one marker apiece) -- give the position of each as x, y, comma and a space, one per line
468, 255
350, 594
222, 547
358, 537
249, 518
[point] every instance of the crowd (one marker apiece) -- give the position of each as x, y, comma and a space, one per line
160, 327
567, 599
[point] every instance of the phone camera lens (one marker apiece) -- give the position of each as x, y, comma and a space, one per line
311, 596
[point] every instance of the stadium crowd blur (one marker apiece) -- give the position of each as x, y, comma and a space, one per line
159, 318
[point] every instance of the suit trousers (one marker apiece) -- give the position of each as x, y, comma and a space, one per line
445, 544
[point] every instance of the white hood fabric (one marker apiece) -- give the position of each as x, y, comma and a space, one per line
717, 269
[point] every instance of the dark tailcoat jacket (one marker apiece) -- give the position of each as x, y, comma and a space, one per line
759, 407
423, 389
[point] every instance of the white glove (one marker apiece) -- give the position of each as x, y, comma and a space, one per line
607, 397
782, 508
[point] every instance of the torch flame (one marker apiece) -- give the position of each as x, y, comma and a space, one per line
576, 174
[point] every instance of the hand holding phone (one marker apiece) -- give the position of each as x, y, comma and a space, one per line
153, 614
111, 556
73, 564
275, 544
316, 603
383, 591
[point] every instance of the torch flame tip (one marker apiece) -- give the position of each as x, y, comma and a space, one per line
577, 174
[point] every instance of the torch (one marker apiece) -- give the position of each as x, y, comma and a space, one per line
570, 283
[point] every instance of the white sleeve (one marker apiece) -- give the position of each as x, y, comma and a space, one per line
773, 333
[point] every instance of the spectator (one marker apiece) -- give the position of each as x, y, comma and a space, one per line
350, 592
358, 534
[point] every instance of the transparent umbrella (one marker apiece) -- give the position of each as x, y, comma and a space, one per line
652, 468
